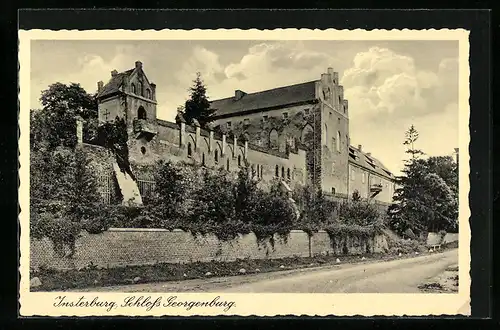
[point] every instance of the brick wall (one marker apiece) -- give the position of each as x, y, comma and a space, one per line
119, 247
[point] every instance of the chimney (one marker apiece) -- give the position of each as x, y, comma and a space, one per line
114, 73
100, 85
360, 148
138, 65
369, 154
330, 71
238, 94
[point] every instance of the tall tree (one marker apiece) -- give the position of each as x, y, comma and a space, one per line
411, 136
198, 106
426, 194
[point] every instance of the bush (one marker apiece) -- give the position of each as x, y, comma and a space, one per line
274, 214
316, 211
60, 230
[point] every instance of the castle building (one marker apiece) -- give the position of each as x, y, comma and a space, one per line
315, 116
297, 134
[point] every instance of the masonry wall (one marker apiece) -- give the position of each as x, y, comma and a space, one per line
120, 247
110, 108
166, 145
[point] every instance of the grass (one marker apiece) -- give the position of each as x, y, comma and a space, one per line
92, 276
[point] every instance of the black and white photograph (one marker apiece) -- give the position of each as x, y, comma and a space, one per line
180, 176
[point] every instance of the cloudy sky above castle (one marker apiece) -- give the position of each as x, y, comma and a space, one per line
389, 84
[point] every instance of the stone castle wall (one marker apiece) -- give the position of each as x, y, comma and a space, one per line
120, 247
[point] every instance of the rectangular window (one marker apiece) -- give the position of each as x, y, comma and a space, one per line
352, 174
264, 119
330, 115
285, 115
306, 111
228, 124
333, 190
363, 177
246, 121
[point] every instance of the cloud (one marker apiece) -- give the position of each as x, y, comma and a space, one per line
382, 82
265, 65
275, 59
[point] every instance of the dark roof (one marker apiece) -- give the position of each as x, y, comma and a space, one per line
115, 83
266, 99
367, 161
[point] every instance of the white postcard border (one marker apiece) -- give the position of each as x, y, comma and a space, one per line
41, 303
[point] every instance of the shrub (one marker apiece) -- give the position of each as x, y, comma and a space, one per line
60, 230
315, 210
274, 214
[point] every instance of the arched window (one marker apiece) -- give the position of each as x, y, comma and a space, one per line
239, 160
227, 165
143, 150
253, 170
190, 149
133, 88
141, 113
277, 171
203, 159
216, 156
338, 141
148, 93
258, 170
288, 174
273, 139
282, 172
139, 89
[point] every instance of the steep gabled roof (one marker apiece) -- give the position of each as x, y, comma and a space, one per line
266, 99
115, 83
369, 162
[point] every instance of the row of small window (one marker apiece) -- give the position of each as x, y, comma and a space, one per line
139, 90
265, 118
277, 172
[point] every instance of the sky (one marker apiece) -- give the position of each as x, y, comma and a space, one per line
390, 85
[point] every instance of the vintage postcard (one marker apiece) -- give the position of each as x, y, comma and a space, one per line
244, 172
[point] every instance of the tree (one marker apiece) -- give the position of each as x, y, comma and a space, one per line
426, 197
446, 168
55, 122
411, 136
198, 106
